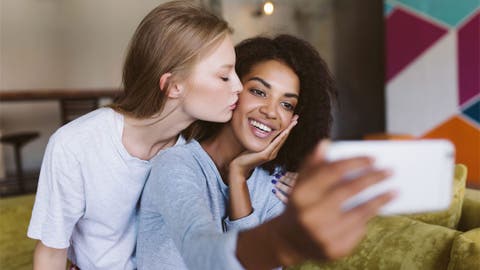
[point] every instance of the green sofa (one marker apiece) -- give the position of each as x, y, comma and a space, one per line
444, 240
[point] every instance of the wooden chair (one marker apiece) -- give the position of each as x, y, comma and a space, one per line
18, 140
71, 109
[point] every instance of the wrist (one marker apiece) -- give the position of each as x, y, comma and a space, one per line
281, 244
236, 175
267, 246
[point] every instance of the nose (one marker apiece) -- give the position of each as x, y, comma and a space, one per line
268, 109
237, 86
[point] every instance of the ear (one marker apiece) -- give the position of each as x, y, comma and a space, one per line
175, 90
164, 80
172, 89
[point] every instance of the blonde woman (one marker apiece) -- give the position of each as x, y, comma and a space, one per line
179, 68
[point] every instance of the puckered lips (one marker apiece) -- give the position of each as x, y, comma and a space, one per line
233, 105
260, 129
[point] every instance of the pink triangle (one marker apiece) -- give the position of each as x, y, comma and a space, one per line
407, 37
469, 59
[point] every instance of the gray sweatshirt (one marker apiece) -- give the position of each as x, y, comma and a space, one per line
183, 221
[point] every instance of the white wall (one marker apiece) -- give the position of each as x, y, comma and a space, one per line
308, 19
82, 43
59, 44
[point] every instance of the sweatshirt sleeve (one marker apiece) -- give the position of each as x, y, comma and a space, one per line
174, 193
243, 223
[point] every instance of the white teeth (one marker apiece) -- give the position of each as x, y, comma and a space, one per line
260, 126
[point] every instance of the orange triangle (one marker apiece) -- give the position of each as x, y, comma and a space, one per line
466, 139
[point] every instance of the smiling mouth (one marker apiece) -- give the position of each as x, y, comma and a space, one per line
260, 126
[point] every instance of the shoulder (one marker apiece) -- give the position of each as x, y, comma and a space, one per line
85, 129
175, 169
181, 157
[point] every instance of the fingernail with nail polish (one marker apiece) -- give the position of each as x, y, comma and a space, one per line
274, 181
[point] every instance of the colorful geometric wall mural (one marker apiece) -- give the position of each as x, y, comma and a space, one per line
433, 73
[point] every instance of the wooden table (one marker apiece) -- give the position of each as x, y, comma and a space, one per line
73, 102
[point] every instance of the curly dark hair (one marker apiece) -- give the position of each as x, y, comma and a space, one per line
317, 95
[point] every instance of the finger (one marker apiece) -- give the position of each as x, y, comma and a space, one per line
324, 176
282, 137
312, 185
347, 189
280, 195
369, 209
360, 215
289, 178
286, 189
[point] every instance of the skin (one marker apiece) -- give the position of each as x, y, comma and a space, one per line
313, 226
270, 94
208, 93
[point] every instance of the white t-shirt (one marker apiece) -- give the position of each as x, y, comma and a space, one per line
88, 192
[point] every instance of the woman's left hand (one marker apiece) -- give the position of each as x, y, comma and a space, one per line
284, 185
247, 161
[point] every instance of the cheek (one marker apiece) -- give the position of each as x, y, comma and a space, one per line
286, 119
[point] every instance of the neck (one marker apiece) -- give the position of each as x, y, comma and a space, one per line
144, 138
223, 148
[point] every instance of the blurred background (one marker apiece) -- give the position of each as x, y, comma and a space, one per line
405, 69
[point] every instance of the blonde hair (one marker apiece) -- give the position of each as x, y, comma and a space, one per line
170, 39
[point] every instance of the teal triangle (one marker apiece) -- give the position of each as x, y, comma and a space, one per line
450, 12
473, 111
387, 8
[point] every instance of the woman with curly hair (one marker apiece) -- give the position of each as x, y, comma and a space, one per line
204, 202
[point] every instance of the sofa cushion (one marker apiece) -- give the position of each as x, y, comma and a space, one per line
16, 249
470, 218
465, 253
397, 243
450, 217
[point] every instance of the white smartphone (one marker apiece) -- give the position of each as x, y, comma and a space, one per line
422, 173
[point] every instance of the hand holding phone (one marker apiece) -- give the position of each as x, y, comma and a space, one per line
422, 173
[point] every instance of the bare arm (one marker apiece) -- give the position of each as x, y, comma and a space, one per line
314, 226
49, 258
239, 198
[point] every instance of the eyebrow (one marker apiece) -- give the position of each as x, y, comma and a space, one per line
269, 86
227, 66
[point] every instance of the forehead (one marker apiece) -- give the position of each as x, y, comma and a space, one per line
221, 54
277, 74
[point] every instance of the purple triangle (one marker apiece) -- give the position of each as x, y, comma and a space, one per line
407, 36
469, 59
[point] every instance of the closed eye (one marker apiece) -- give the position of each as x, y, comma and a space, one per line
257, 92
225, 79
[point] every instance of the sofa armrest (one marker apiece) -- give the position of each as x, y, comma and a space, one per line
470, 217
465, 254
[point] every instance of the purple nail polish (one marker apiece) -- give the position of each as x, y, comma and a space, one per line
274, 191
274, 181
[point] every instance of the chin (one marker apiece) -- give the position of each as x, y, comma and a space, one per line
220, 118
255, 145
